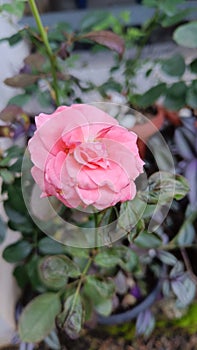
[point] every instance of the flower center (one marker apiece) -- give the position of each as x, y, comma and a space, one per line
91, 154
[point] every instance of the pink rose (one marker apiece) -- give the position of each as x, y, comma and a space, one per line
83, 157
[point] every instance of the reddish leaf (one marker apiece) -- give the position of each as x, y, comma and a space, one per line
10, 113
144, 131
21, 80
35, 61
108, 39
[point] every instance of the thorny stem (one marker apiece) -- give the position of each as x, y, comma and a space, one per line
80, 283
50, 54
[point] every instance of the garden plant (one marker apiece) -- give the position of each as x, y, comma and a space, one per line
107, 220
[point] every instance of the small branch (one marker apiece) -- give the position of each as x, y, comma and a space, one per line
80, 283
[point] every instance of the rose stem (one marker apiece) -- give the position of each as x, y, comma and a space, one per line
50, 54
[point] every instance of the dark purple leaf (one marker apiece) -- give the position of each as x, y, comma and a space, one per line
191, 176
189, 123
184, 289
185, 141
177, 271
108, 39
145, 323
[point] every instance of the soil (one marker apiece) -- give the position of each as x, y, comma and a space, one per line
160, 340
178, 341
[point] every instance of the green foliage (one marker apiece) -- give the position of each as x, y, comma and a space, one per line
191, 95
186, 35
186, 233
85, 278
111, 257
17, 251
168, 7
38, 318
148, 240
175, 19
7, 176
71, 318
49, 246
189, 321
130, 214
174, 66
163, 187
193, 66
55, 271
15, 8
150, 96
3, 230
176, 96
99, 293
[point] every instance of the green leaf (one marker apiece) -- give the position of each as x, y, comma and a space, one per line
14, 215
33, 275
21, 276
109, 85
49, 246
20, 100
129, 261
7, 176
93, 18
38, 317
174, 66
178, 17
77, 252
55, 270
186, 233
186, 35
100, 289
104, 308
107, 258
191, 96
150, 96
164, 186
71, 318
14, 152
148, 240
176, 96
150, 3
169, 7
17, 251
131, 213
3, 229
193, 66
15, 197
16, 8
26, 228
110, 257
